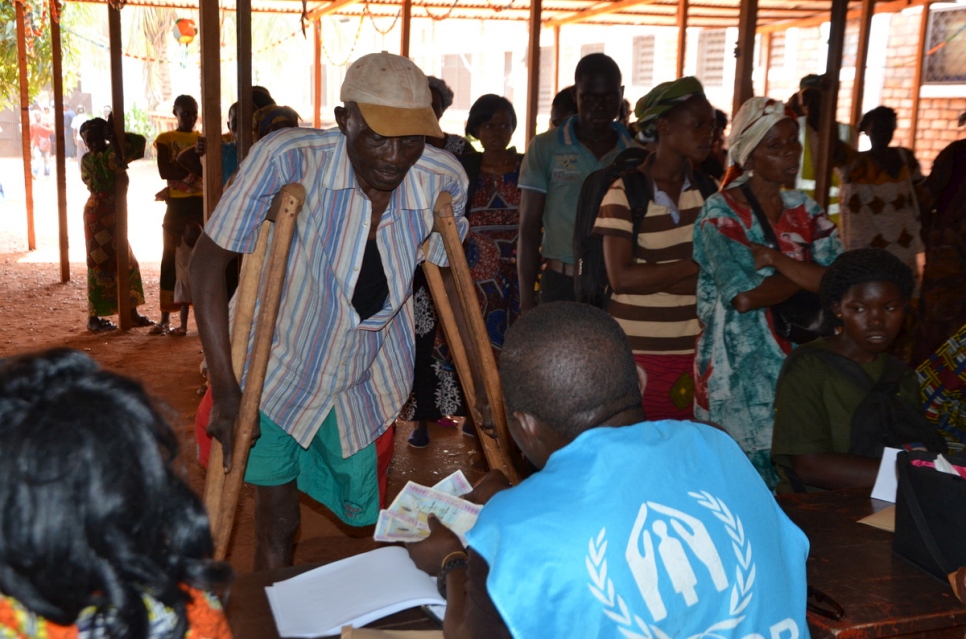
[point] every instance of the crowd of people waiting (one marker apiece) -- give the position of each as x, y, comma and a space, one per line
730, 301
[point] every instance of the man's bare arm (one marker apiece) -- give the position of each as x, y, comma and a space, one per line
207, 276
528, 245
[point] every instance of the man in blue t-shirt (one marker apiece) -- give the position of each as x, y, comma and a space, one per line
554, 169
629, 528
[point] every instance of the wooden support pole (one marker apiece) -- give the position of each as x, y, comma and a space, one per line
209, 28
58, 79
682, 37
828, 128
407, 22
120, 182
533, 68
745, 54
556, 59
766, 61
917, 78
317, 74
243, 38
28, 182
861, 61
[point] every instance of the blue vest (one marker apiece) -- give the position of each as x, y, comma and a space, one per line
658, 530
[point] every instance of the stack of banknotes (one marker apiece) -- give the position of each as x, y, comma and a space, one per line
407, 518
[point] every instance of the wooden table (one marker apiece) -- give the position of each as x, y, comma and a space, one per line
250, 616
883, 595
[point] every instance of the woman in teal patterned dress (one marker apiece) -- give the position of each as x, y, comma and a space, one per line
739, 354
98, 171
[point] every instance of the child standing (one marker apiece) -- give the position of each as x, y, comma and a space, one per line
183, 196
182, 287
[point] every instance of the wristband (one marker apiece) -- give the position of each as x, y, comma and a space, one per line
452, 561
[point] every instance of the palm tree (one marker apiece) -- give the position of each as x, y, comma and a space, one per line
150, 31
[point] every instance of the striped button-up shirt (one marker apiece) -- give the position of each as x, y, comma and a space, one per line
323, 357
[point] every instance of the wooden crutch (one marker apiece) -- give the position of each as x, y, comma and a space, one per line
501, 452
221, 489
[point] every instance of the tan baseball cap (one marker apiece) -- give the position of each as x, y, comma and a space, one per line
393, 95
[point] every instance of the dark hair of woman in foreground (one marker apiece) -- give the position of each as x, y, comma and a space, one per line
92, 510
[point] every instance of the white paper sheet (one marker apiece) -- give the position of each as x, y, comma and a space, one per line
354, 591
887, 481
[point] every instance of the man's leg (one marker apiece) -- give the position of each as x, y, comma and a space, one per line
277, 521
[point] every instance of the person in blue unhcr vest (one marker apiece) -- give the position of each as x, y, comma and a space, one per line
629, 528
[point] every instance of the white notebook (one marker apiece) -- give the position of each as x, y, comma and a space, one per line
351, 592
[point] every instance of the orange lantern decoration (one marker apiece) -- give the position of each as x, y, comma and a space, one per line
184, 31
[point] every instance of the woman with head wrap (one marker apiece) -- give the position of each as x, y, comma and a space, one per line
879, 203
273, 118
649, 267
817, 440
739, 354
442, 100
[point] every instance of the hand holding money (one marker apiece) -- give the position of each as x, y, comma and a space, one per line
407, 518
428, 553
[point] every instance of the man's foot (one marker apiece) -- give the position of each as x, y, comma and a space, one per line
140, 320
181, 331
468, 429
100, 325
161, 328
419, 438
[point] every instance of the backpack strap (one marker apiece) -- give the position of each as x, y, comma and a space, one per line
639, 196
705, 183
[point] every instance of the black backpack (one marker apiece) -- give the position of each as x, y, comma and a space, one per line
590, 280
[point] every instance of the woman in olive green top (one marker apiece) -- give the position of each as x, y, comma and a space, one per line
867, 292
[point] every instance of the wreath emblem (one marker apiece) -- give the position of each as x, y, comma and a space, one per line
632, 626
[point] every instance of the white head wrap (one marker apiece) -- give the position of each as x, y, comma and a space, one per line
755, 118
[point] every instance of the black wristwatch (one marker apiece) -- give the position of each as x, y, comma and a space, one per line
453, 561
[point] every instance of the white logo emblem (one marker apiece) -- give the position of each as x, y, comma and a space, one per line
644, 548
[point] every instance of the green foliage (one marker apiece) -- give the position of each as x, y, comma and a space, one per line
39, 55
136, 120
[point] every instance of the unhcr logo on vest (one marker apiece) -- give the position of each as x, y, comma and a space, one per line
674, 560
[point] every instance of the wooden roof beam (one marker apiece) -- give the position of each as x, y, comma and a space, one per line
601, 9
324, 10
880, 7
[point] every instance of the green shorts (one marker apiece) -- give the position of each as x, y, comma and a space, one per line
347, 487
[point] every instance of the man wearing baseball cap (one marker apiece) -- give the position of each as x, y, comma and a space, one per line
341, 363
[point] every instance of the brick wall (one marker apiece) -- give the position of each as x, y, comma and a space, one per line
937, 116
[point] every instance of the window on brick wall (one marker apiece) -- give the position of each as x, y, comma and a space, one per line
456, 73
850, 47
587, 49
946, 40
545, 95
642, 69
711, 50
778, 50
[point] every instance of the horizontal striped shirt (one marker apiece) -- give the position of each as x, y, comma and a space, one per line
323, 357
657, 323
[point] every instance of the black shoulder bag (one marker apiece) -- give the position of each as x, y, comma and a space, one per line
800, 318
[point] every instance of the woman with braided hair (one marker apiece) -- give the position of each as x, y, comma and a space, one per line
866, 292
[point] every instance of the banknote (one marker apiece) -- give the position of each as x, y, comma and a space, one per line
455, 485
394, 528
407, 518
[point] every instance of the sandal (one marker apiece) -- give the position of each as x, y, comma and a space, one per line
140, 321
181, 331
100, 325
160, 329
